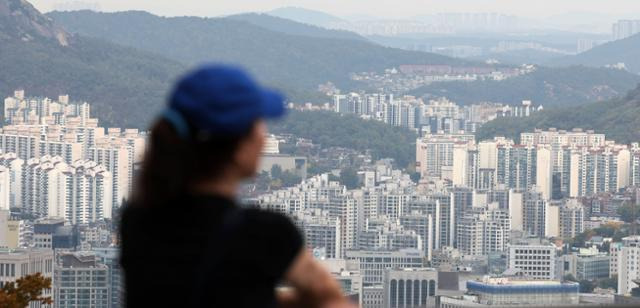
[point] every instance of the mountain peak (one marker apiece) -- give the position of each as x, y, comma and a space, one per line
22, 21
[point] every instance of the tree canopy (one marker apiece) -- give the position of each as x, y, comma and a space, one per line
25, 290
330, 129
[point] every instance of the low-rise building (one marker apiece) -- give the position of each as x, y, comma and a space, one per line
509, 292
415, 287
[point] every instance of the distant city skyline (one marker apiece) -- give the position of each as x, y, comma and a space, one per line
373, 8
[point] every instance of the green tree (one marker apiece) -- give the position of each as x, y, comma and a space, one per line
276, 171
415, 176
609, 283
290, 179
330, 129
629, 213
26, 289
349, 178
587, 286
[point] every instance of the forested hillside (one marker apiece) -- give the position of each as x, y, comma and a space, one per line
617, 118
332, 129
550, 87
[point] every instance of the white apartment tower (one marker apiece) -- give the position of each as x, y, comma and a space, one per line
628, 264
483, 230
117, 160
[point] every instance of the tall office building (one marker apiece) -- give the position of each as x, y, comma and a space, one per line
110, 257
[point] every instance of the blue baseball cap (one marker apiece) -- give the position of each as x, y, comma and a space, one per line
220, 100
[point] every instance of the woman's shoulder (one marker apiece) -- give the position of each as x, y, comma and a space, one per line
268, 221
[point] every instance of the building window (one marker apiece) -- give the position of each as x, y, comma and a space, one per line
416, 292
401, 293
424, 292
409, 296
393, 293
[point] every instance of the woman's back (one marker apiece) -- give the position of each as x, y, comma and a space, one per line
208, 253
185, 243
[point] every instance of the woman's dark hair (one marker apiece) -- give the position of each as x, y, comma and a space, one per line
172, 164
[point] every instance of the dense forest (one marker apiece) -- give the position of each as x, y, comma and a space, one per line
124, 86
617, 118
331, 129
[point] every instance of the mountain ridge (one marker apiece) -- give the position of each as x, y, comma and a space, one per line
38, 56
301, 62
287, 26
621, 51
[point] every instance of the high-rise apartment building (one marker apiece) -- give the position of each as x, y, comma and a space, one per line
571, 218
483, 230
625, 28
628, 264
80, 193
534, 214
321, 231
435, 155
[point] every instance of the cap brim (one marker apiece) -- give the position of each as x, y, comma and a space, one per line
272, 104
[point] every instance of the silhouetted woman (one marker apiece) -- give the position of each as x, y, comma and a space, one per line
185, 241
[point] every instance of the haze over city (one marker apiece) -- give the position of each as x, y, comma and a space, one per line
558, 13
375, 154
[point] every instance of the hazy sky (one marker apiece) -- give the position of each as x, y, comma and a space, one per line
379, 8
